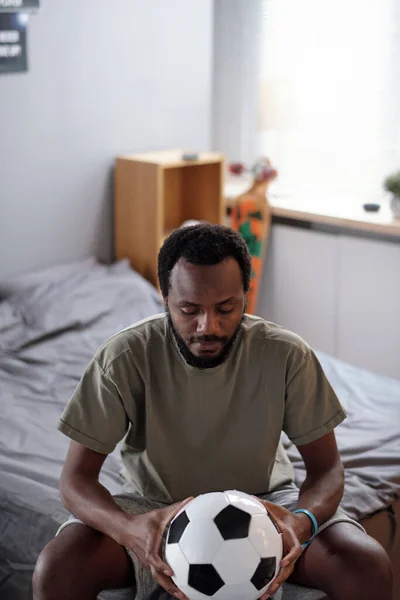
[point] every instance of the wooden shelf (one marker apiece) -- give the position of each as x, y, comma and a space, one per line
155, 193
169, 159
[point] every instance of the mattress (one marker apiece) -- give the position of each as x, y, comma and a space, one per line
51, 324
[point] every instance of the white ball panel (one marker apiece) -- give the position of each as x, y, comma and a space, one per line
193, 594
264, 536
239, 591
200, 542
175, 559
206, 506
245, 502
236, 561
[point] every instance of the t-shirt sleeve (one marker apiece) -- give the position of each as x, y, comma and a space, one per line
312, 408
95, 416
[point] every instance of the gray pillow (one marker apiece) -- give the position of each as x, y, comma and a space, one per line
25, 282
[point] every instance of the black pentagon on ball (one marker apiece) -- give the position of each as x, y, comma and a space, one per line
177, 528
264, 573
204, 579
233, 523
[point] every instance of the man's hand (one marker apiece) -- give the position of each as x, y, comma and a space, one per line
292, 529
144, 538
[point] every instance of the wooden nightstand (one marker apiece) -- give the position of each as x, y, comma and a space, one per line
155, 193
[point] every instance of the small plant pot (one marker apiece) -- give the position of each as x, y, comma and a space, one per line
395, 205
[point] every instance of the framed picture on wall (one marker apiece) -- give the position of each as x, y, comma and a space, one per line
14, 5
13, 54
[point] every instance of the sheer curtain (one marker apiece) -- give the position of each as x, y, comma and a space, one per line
329, 94
237, 64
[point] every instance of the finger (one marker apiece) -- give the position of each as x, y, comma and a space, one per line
282, 576
290, 541
288, 562
153, 555
157, 563
167, 583
272, 588
294, 554
279, 580
175, 508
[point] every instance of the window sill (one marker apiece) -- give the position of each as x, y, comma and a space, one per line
331, 210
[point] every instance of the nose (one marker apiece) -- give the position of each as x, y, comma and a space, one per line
207, 323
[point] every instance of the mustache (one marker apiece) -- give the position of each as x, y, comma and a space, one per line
208, 338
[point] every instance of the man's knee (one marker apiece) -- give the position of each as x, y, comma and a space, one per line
344, 562
362, 565
49, 581
62, 570
371, 565
79, 563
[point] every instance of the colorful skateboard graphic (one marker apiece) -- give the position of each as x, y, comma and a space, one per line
251, 216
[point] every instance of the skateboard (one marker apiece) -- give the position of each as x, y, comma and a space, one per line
250, 215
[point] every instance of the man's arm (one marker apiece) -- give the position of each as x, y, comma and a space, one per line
85, 497
323, 486
320, 493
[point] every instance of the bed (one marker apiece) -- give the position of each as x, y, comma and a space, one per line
51, 323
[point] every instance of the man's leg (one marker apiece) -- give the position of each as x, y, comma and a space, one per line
78, 564
346, 564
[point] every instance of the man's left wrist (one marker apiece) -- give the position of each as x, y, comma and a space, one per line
303, 527
314, 525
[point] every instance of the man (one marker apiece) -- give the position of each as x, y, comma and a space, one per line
202, 394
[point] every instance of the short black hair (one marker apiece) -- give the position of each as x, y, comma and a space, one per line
202, 244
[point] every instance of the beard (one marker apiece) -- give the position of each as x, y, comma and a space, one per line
197, 361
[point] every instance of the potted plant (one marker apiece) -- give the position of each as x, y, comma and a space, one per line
392, 185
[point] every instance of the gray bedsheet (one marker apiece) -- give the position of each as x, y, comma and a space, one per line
48, 333
369, 439
50, 326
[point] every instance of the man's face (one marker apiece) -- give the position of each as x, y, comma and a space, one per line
205, 306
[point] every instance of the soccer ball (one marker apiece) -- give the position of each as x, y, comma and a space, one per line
223, 545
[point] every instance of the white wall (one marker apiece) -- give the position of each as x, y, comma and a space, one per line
369, 304
299, 282
104, 78
340, 293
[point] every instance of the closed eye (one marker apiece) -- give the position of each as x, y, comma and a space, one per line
225, 311
188, 312
193, 311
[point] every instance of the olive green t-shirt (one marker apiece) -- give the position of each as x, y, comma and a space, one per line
188, 431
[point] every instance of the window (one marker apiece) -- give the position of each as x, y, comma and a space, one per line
330, 94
